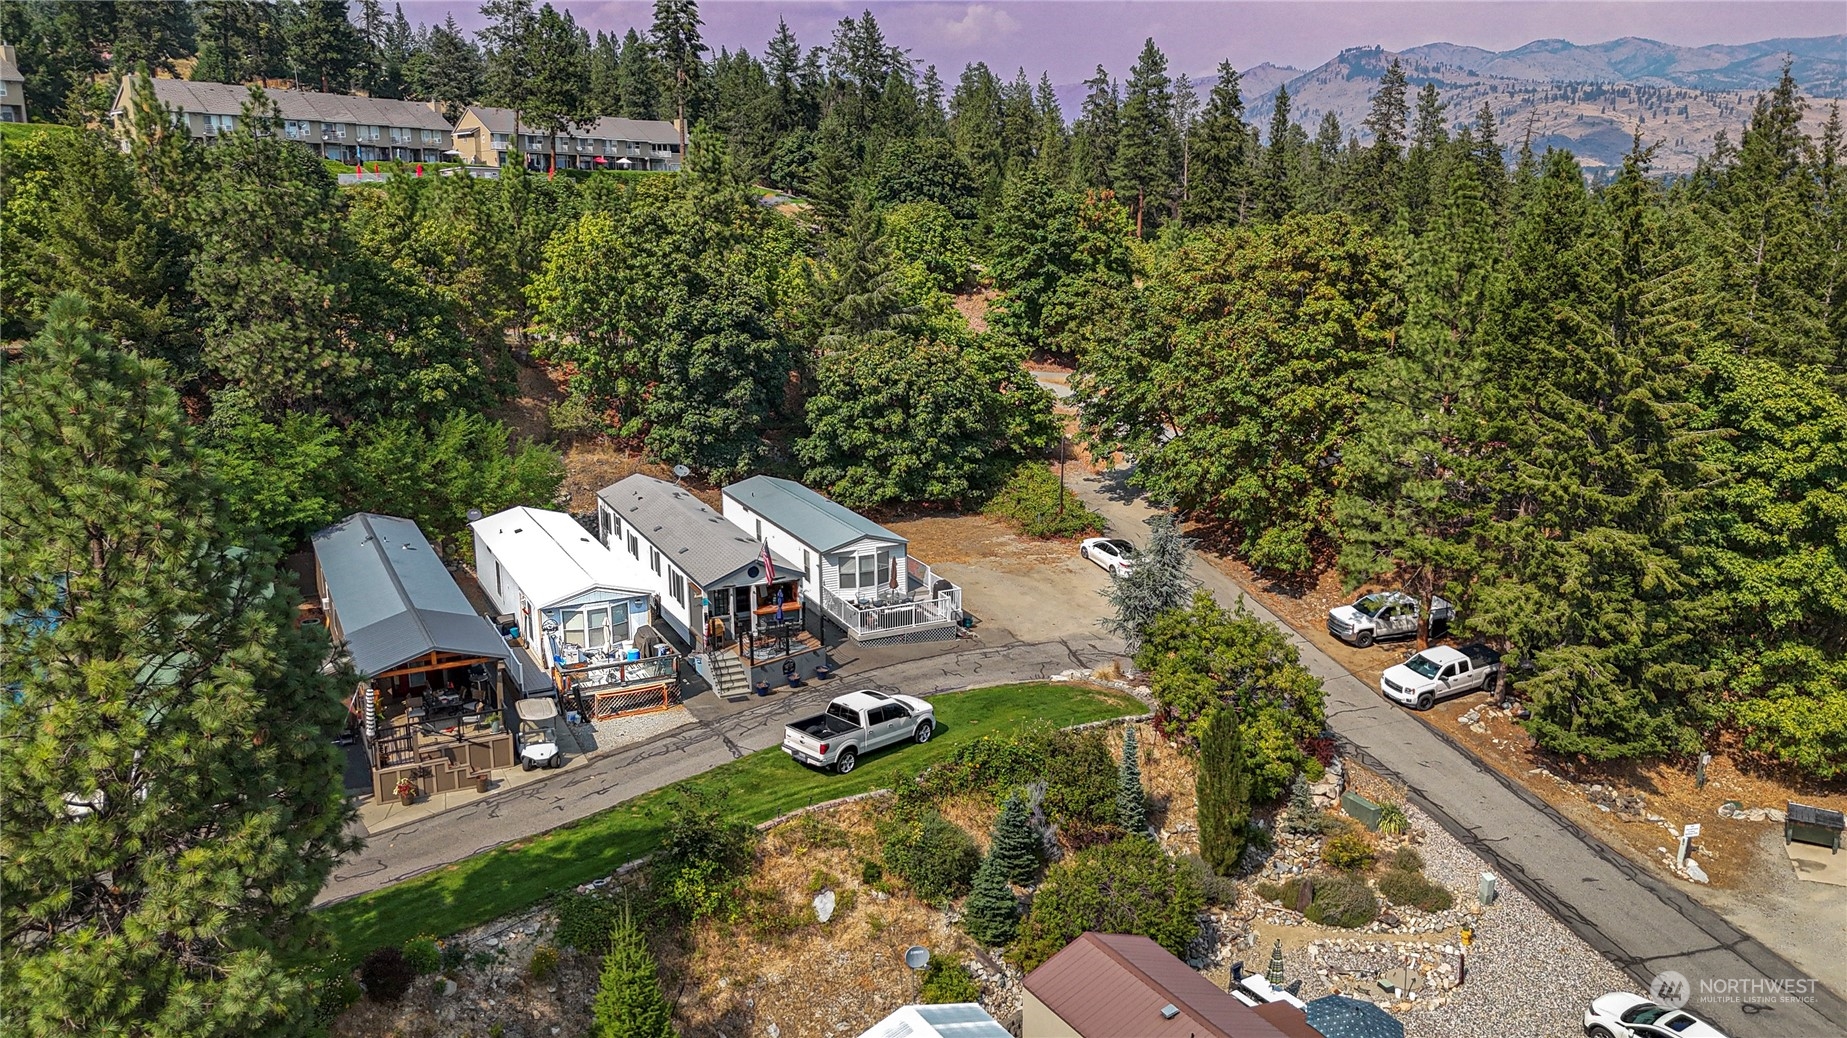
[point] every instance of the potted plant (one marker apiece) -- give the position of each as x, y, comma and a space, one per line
406, 790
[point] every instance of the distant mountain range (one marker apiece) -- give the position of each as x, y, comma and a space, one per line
1588, 98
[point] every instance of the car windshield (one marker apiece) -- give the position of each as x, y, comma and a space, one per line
1371, 604
1646, 1013
1423, 664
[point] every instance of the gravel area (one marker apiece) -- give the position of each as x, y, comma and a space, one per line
623, 731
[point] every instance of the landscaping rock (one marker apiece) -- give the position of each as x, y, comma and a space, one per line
1326, 792
824, 905
1694, 872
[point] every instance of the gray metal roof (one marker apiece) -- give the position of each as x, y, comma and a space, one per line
814, 520
610, 128
702, 543
393, 597
311, 105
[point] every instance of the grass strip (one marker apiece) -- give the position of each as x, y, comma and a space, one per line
754, 788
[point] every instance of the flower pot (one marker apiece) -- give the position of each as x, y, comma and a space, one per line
480, 783
763, 688
822, 673
407, 798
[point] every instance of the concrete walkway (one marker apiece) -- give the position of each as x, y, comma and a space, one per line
721, 732
1638, 922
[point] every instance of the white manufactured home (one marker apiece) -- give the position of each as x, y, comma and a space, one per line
723, 593
856, 572
576, 614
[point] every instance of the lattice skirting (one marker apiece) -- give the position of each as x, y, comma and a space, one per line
911, 636
605, 705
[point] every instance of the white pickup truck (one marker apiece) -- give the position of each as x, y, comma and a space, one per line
856, 723
1382, 615
1440, 672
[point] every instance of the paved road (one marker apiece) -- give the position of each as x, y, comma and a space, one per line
722, 732
1638, 922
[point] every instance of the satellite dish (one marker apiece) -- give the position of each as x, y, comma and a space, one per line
681, 472
917, 956
474, 515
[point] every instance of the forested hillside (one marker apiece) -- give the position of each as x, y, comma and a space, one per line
1607, 422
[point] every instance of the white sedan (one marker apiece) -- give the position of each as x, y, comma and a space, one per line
1112, 553
1622, 1015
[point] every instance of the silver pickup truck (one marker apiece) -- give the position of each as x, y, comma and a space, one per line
856, 723
1382, 615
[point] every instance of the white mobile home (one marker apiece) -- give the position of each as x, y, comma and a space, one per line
856, 572
715, 590
575, 612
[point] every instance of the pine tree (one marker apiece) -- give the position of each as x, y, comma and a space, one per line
629, 1002
678, 45
1276, 188
991, 915
1015, 848
323, 43
1131, 798
1148, 151
1095, 136
635, 80
1218, 173
1222, 790
173, 796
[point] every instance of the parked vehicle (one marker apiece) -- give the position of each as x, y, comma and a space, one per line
1440, 672
856, 723
1382, 615
537, 737
1112, 553
1622, 1015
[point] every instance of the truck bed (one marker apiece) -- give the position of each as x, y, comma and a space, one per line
822, 726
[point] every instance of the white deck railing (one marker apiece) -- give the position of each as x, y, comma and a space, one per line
930, 601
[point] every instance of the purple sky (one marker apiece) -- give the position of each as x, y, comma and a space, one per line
1070, 38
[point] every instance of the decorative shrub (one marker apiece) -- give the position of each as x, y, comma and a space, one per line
1030, 501
1409, 887
1270, 891
385, 974
1342, 900
700, 867
334, 993
585, 921
946, 981
544, 964
932, 854
1392, 820
871, 872
1015, 844
1348, 852
1080, 788
1130, 886
1001, 761
1217, 889
423, 955
1302, 818
1404, 859
991, 915
454, 955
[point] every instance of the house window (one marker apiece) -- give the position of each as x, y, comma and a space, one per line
498, 590
654, 559
573, 627
759, 529
598, 628
634, 545
295, 129
805, 570
611, 527
870, 570
220, 123
676, 586
500, 142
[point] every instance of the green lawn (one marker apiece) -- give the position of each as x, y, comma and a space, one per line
755, 788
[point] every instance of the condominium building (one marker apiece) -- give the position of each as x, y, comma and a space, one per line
342, 127
485, 136
12, 87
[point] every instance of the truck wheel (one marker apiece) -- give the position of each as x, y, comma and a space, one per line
925, 731
1363, 639
1426, 701
848, 759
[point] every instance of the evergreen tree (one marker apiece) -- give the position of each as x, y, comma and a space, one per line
556, 97
1156, 583
238, 40
1380, 188
1147, 152
991, 915
1131, 798
1276, 190
629, 1002
322, 43
447, 69
1015, 847
1218, 174
1095, 137
1051, 142
678, 46
1222, 788
636, 82
174, 797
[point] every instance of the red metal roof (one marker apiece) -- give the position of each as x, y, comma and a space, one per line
1116, 986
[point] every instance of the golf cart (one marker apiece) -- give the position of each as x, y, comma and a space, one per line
537, 738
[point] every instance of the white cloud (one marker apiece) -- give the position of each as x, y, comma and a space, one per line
979, 23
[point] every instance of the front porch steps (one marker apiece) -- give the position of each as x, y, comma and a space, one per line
730, 679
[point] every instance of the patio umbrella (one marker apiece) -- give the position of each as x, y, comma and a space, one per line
1275, 973
1337, 1016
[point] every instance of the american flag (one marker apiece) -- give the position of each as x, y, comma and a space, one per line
769, 567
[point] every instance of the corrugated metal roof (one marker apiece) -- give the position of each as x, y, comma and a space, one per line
549, 555
610, 128
821, 524
702, 543
947, 1020
393, 597
1116, 986
229, 99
